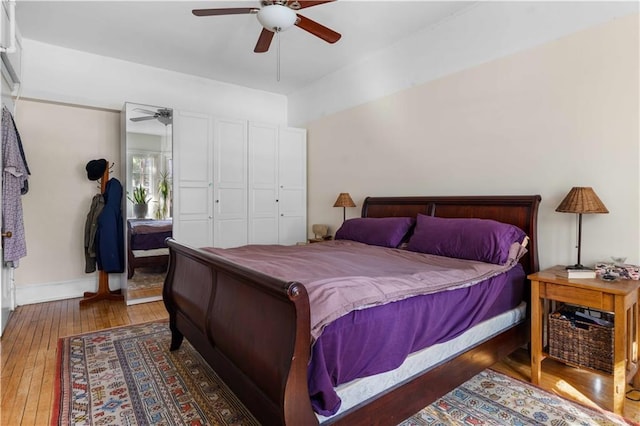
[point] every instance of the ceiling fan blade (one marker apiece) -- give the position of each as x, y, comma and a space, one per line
150, 117
317, 29
303, 4
264, 41
227, 11
146, 111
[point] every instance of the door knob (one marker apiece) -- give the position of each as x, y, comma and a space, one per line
7, 234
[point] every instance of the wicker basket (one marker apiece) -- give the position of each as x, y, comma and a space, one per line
578, 342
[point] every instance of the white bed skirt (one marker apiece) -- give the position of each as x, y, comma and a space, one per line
153, 252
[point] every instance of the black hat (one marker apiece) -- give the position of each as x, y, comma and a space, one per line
96, 168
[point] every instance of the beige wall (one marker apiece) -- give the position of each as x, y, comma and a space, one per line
59, 140
537, 122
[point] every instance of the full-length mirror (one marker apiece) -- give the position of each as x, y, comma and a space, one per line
147, 154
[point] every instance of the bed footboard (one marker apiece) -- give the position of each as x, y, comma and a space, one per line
254, 330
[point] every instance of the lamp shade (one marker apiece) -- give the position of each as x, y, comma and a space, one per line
582, 200
344, 200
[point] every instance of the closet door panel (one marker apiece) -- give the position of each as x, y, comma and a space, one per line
292, 158
292, 178
230, 182
193, 223
292, 230
230, 203
293, 202
231, 233
196, 225
193, 203
263, 183
191, 233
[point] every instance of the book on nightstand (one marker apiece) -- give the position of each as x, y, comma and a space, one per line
576, 273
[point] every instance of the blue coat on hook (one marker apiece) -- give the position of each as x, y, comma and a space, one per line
109, 234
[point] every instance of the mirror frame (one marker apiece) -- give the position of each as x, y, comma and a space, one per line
152, 121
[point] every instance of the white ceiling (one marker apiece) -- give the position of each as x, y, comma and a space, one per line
165, 34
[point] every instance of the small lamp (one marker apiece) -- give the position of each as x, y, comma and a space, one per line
344, 200
581, 200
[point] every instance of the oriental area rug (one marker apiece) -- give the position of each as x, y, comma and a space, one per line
147, 278
146, 282
128, 376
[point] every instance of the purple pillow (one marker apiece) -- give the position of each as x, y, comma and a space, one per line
484, 240
377, 231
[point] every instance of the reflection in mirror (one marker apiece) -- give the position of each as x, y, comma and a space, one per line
148, 148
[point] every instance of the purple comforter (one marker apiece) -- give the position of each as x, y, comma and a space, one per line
341, 276
147, 234
371, 341
413, 300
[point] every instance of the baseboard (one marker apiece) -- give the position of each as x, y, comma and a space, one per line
47, 292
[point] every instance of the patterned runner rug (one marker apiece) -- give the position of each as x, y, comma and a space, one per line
128, 376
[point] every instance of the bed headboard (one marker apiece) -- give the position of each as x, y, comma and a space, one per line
518, 210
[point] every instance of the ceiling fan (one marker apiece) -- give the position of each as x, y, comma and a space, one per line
276, 16
163, 115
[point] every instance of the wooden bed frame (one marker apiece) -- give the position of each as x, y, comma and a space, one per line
223, 309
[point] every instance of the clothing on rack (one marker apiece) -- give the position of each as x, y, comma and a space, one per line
109, 234
8, 118
14, 183
90, 231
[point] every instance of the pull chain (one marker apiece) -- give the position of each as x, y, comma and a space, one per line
278, 40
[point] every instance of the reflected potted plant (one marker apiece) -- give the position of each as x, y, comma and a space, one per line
140, 200
164, 189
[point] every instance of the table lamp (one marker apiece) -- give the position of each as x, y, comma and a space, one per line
344, 200
581, 200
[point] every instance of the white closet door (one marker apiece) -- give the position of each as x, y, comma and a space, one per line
230, 183
192, 222
292, 180
263, 183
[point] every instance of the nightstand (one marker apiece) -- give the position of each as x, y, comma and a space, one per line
319, 240
619, 297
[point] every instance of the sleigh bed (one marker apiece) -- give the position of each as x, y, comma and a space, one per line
262, 334
146, 243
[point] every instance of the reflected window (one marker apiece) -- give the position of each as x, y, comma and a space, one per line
151, 171
143, 171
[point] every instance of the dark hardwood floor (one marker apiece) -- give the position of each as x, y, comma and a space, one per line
29, 345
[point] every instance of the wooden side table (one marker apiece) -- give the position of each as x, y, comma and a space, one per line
619, 297
319, 240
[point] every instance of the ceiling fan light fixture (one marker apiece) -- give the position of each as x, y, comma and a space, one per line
276, 17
